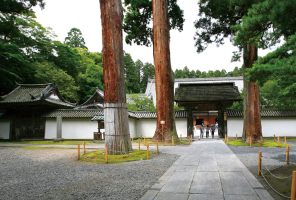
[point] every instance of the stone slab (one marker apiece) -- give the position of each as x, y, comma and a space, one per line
179, 182
206, 183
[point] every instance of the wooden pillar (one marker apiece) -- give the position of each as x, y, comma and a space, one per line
222, 127
190, 123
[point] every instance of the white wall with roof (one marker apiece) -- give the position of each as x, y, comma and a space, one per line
279, 127
4, 128
151, 91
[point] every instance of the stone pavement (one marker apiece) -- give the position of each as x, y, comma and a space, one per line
207, 169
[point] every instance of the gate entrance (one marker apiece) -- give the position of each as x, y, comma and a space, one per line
206, 97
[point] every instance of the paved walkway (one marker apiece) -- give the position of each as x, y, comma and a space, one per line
206, 170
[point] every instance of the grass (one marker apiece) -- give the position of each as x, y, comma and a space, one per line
266, 143
50, 142
99, 157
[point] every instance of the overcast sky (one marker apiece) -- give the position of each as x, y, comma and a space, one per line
62, 15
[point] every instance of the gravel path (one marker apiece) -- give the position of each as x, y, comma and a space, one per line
272, 158
55, 174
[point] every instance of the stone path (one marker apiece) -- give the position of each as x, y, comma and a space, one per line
206, 170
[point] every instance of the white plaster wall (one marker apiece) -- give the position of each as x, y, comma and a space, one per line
50, 128
146, 127
79, 128
133, 127
4, 129
235, 126
270, 127
181, 126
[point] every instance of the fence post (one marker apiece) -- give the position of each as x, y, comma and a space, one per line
144, 140
278, 141
141, 138
191, 137
106, 154
78, 151
139, 141
225, 137
293, 187
173, 140
236, 136
285, 140
250, 141
132, 138
274, 137
259, 163
83, 147
287, 155
188, 139
157, 146
147, 151
180, 136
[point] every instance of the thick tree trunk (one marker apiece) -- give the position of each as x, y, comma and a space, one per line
164, 82
252, 118
117, 135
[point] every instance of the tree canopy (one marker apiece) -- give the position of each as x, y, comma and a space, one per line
75, 39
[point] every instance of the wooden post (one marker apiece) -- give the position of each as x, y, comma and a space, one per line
259, 163
106, 154
250, 141
293, 187
141, 138
147, 151
188, 139
236, 137
225, 137
144, 141
83, 147
287, 155
278, 141
157, 146
274, 137
180, 136
132, 138
173, 140
78, 151
285, 140
191, 137
139, 141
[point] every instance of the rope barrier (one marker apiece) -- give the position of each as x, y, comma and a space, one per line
273, 188
277, 176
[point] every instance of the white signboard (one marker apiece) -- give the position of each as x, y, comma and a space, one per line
162, 122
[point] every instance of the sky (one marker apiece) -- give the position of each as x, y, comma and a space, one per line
85, 15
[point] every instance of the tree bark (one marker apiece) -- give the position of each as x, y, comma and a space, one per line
164, 82
117, 135
252, 117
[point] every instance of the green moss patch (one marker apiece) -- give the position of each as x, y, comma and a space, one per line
99, 157
264, 144
50, 142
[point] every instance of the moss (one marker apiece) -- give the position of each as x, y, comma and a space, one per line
264, 144
99, 157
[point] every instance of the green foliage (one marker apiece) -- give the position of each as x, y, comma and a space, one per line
137, 103
146, 73
47, 73
75, 39
132, 74
138, 16
14, 67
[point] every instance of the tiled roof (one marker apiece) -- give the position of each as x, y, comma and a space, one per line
152, 114
264, 113
206, 92
96, 99
71, 113
30, 93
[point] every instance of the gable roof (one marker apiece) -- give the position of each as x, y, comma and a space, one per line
96, 100
265, 113
30, 94
207, 92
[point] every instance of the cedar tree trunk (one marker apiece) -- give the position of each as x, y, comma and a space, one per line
252, 118
164, 82
117, 135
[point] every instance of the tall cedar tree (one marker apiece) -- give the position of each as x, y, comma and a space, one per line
217, 18
166, 15
115, 108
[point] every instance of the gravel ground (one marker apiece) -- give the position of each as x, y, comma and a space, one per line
55, 174
272, 158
